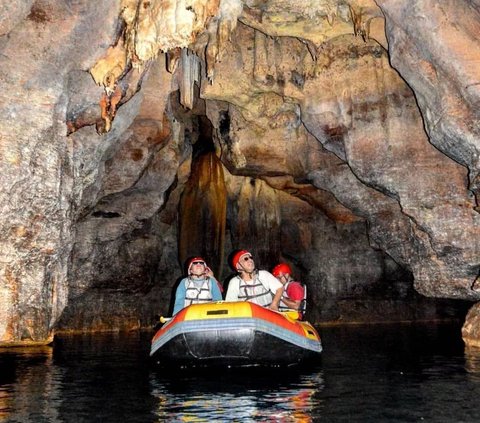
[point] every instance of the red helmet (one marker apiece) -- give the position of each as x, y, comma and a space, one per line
238, 255
194, 259
281, 268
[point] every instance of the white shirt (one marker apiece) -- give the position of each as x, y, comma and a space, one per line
269, 281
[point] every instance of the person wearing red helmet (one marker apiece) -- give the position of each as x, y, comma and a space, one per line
199, 286
257, 286
294, 293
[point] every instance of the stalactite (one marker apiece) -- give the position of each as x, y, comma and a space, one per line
276, 61
162, 25
360, 26
260, 58
258, 219
190, 75
173, 57
211, 52
271, 63
220, 31
108, 106
109, 69
107, 72
331, 18
203, 209
224, 30
312, 48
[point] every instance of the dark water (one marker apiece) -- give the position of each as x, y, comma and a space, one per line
408, 373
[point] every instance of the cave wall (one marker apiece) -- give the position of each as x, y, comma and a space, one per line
40, 44
362, 175
359, 109
438, 60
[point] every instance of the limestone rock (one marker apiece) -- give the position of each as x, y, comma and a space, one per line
36, 160
362, 175
471, 327
437, 59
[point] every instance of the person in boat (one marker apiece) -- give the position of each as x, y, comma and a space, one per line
257, 286
200, 286
294, 293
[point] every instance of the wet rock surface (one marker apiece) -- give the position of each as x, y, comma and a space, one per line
363, 176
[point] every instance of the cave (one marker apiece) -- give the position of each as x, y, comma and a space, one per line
340, 137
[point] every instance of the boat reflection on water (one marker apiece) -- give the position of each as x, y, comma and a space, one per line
258, 394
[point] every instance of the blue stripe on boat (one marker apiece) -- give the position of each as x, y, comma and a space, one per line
236, 323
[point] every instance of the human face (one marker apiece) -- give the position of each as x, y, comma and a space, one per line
246, 263
198, 268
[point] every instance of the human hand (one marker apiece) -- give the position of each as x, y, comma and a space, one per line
208, 272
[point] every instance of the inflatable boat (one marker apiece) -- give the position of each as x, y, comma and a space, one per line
234, 334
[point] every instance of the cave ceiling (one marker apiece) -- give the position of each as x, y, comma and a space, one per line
362, 112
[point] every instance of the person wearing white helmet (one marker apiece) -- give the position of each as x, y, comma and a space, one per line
199, 286
257, 286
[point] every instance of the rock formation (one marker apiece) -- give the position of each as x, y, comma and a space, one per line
338, 135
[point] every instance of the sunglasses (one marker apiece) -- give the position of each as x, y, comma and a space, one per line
198, 262
248, 258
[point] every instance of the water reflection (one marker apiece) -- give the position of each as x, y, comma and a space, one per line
472, 361
5, 403
29, 382
379, 373
280, 395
